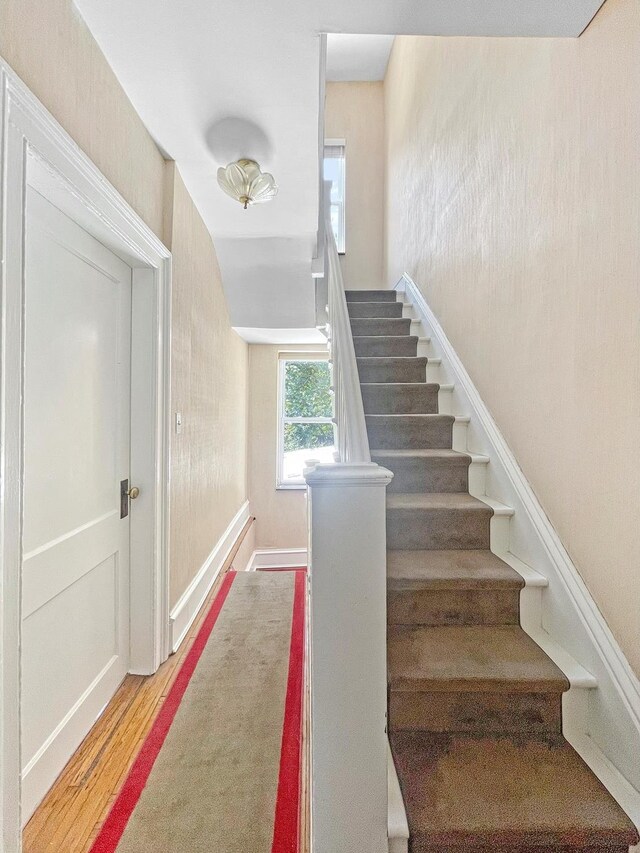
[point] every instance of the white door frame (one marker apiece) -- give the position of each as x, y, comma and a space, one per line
36, 151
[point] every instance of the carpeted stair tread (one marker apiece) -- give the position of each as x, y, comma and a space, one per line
392, 368
484, 658
424, 453
370, 295
404, 432
416, 398
449, 570
438, 500
380, 326
374, 309
385, 345
467, 794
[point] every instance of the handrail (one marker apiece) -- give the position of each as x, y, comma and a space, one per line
350, 424
347, 623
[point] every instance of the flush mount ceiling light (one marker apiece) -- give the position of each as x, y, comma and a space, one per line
244, 181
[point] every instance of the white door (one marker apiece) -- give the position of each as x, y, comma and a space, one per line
75, 595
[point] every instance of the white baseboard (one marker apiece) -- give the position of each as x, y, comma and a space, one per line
44, 767
182, 615
609, 722
397, 825
277, 558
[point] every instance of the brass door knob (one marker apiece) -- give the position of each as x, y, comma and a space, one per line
133, 492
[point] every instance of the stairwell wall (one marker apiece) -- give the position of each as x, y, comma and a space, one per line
49, 46
513, 201
355, 112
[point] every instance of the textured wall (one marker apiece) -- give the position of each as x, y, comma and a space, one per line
281, 514
209, 387
513, 171
50, 48
355, 112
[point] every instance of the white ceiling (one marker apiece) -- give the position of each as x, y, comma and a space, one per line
357, 57
214, 81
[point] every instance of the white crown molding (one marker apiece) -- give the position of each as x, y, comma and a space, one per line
569, 613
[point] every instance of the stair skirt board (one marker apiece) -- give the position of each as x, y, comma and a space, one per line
475, 704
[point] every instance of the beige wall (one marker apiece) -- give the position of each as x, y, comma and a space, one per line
281, 514
355, 112
50, 48
209, 387
514, 203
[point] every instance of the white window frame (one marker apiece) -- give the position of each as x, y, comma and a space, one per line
341, 238
283, 358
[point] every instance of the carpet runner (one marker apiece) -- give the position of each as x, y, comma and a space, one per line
221, 767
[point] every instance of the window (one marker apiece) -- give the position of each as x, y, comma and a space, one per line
334, 171
305, 429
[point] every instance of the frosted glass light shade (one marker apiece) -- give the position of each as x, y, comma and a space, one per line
245, 182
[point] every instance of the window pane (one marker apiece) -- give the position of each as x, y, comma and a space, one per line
334, 171
307, 436
303, 442
306, 390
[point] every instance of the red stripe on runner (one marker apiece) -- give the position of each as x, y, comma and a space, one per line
287, 817
126, 801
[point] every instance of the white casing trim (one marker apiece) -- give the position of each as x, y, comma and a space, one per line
36, 151
277, 558
603, 724
192, 599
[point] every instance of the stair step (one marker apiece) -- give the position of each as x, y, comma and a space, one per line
403, 432
395, 398
380, 326
470, 658
481, 680
466, 795
437, 470
383, 345
438, 521
451, 588
370, 295
375, 309
405, 369
450, 569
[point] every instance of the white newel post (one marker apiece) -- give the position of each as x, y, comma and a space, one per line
347, 567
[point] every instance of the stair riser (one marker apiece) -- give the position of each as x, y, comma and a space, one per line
404, 371
419, 400
374, 309
415, 528
453, 607
371, 295
408, 433
380, 346
530, 716
380, 327
417, 475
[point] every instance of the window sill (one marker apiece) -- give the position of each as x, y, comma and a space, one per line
288, 486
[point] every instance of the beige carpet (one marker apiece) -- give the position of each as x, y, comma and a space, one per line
214, 784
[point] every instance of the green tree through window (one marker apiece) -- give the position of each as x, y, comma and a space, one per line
306, 412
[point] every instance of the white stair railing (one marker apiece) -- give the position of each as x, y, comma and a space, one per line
347, 571
351, 428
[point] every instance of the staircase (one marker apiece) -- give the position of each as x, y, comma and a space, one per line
475, 706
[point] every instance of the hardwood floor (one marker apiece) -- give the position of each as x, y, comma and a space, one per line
70, 816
